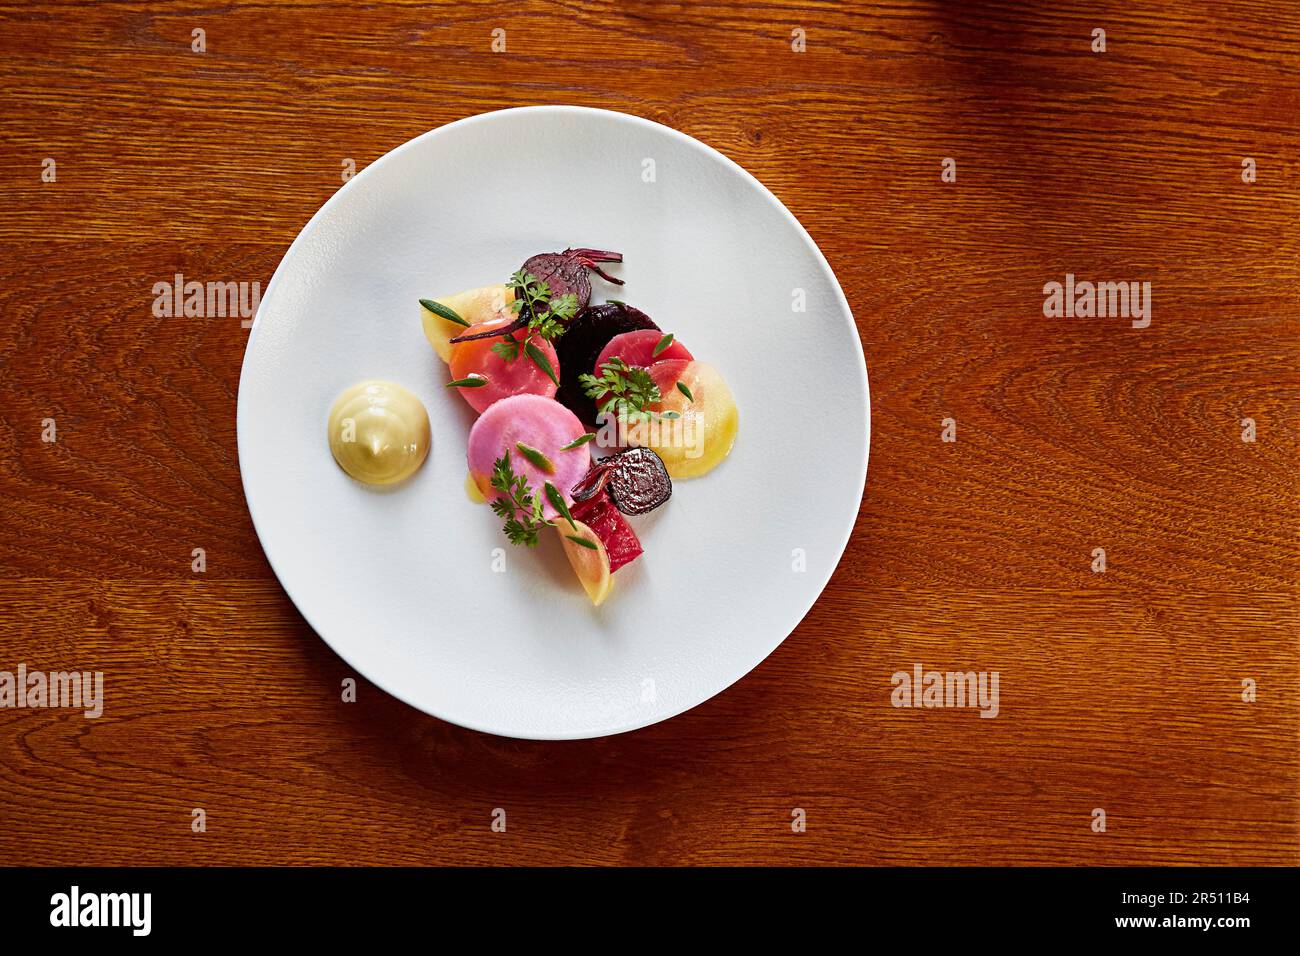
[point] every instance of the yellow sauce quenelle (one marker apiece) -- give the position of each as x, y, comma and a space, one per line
379, 432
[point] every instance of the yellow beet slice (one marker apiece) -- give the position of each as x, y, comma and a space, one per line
590, 564
474, 306
473, 491
697, 442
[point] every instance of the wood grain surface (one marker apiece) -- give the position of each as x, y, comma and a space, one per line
1120, 690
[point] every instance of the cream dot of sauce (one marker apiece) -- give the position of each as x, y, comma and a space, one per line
379, 432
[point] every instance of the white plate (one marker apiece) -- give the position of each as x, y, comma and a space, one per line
399, 582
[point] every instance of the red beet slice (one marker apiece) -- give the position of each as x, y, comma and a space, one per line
599, 514
638, 349
582, 343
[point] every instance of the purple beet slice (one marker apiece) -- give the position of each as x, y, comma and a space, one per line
582, 343
635, 480
563, 272
566, 271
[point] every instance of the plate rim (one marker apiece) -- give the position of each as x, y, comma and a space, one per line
690, 142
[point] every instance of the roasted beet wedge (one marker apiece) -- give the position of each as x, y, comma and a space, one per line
563, 272
635, 480
599, 514
582, 343
566, 271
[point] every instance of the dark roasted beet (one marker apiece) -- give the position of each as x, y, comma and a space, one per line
582, 343
566, 271
639, 482
635, 479
563, 272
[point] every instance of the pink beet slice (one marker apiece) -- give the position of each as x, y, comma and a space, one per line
599, 514
542, 424
637, 348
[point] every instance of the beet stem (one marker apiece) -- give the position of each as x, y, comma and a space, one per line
514, 326
588, 263
595, 255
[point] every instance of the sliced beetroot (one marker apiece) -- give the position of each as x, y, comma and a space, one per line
566, 271
582, 343
639, 483
591, 483
518, 376
541, 425
638, 349
563, 272
635, 480
599, 514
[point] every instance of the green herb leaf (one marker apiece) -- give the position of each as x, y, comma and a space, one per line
557, 502
663, 343
681, 387
546, 318
437, 308
521, 509
583, 541
541, 361
565, 307
507, 348
536, 457
476, 382
620, 389
579, 441
520, 532
546, 327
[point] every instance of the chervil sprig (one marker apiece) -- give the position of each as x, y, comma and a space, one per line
507, 348
518, 505
546, 318
620, 388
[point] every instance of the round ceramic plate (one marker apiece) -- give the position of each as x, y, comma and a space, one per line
406, 583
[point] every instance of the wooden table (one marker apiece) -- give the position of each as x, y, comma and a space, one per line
1120, 691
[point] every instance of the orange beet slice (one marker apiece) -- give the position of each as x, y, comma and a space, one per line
521, 375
